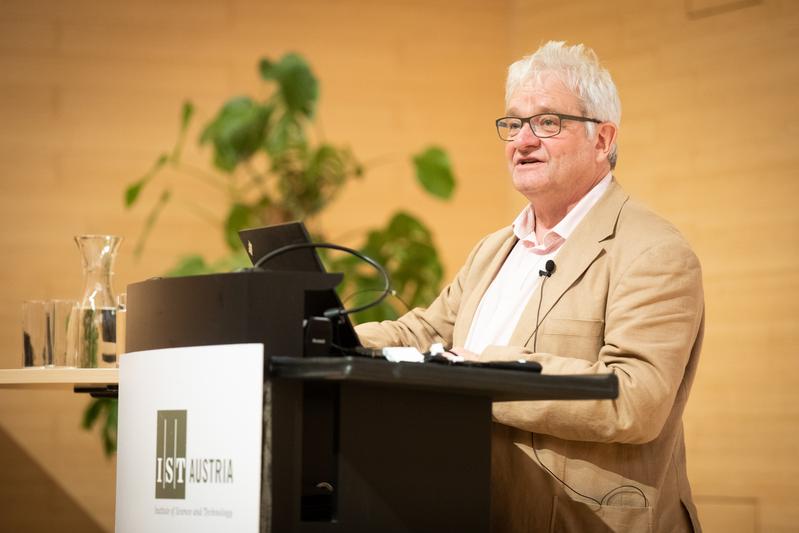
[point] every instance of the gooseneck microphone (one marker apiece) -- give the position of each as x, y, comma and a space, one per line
549, 269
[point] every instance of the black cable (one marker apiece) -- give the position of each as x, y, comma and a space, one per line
549, 268
535, 451
537, 313
340, 311
392, 293
601, 502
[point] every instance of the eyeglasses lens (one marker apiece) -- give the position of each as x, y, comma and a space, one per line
543, 126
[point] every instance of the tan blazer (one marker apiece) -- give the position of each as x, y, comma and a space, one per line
626, 297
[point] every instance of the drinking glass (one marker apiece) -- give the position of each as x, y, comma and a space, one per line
35, 332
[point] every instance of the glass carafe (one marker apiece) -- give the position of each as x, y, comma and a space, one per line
95, 339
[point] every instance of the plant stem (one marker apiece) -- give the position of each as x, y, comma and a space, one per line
210, 179
202, 212
256, 180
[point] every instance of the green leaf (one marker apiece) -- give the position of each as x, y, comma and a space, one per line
403, 225
189, 265
237, 132
239, 217
434, 172
412, 258
110, 427
134, 190
91, 413
106, 409
285, 135
186, 113
298, 87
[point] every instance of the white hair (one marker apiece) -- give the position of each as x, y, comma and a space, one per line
579, 69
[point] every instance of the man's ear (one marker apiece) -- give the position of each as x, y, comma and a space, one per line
606, 136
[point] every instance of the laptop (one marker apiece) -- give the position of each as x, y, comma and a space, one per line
260, 241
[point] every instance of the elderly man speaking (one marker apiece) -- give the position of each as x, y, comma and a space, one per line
584, 281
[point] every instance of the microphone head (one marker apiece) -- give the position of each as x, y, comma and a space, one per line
550, 267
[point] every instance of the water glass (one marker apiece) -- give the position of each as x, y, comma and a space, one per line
35, 332
62, 325
48, 333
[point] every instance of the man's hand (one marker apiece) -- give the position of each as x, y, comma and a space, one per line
462, 352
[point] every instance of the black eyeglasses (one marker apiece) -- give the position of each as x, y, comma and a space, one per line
543, 125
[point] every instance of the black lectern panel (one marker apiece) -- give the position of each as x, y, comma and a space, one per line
414, 461
265, 307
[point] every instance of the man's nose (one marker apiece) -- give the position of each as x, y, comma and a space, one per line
526, 137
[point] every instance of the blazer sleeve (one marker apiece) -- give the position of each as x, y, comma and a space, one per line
653, 320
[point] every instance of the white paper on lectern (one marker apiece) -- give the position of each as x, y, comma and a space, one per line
208, 402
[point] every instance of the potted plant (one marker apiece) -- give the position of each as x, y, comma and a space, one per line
271, 168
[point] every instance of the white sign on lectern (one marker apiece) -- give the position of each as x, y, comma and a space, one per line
189, 453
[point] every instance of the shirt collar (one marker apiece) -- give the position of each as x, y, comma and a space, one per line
524, 225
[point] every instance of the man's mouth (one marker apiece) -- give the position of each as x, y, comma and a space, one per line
528, 161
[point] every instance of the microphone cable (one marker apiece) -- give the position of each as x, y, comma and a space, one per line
549, 269
609, 494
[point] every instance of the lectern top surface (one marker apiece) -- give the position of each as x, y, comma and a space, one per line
499, 385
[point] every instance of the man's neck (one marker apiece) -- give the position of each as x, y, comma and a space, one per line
549, 211
546, 219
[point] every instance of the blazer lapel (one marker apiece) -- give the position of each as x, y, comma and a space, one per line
580, 250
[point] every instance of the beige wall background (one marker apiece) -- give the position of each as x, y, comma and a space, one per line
90, 93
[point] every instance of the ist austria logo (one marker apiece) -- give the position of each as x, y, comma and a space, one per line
170, 455
173, 469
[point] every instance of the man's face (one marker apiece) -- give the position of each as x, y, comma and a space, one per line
559, 169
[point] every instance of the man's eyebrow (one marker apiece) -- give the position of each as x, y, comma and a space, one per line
513, 112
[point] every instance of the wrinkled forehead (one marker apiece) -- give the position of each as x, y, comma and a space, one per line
543, 92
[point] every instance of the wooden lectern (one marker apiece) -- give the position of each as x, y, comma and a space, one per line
349, 443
